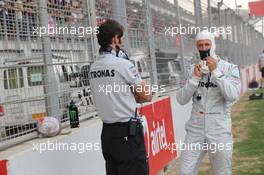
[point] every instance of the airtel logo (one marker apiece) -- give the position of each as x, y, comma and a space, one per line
156, 140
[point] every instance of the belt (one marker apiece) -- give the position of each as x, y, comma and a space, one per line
116, 124
119, 129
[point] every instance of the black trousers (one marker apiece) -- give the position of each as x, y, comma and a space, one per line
124, 154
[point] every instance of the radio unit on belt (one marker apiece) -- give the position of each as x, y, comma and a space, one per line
134, 123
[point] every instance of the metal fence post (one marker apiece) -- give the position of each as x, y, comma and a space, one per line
150, 37
244, 42
198, 14
89, 6
219, 4
119, 14
178, 16
239, 40
234, 58
50, 83
209, 10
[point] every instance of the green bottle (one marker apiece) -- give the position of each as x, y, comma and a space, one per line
73, 115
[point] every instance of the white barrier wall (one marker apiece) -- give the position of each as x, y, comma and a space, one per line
244, 81
24, 159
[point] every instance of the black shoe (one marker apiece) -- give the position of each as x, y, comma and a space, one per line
256, 96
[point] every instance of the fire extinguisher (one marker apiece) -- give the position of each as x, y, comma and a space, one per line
73, 115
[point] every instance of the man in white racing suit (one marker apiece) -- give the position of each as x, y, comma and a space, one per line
213, 85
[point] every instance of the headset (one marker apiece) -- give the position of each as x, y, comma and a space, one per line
119, 53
